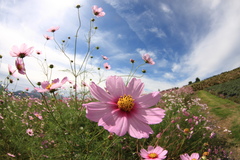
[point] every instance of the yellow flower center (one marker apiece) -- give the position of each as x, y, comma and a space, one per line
152, 155
186, 130
125, 103
49, 86
194, 159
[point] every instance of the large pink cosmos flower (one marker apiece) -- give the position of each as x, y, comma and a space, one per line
51, 87
147, 59
98, 12
123, 109
20, 66
194, 156
21, 52
157, 153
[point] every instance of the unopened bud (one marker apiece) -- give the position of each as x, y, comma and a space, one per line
144, 71
92, 19
51, 66
38, 83
132, 61
0, 56
78, 6
95, 27
97, 47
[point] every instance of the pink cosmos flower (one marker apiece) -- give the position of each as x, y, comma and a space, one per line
21, 52
104, 57
157, 153
51, 87
30, 132
123, 109
48, 37
38, 115
147, 59
53, 29
11, 155
20, 66
194, 156
98, 12
11, 71
106, 66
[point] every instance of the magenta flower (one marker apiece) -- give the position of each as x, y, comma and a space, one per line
53, 29
48, 37
21, 52
123, 109
12, 72
194, 156
147, 59
157, 153
20, 66
51, 87
106, 66
98, 12
30, 132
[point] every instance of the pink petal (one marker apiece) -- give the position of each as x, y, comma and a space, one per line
55, 80
64, 80
135, 88
139, 130
98, 93
115, 86
150, 148
96, 110
150, 116
144, 153
195, 155
44, 84
148, 100
116, 122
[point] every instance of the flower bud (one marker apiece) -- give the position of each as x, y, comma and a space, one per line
78, 6
132, 60
95, 27
144, 71
0, 56
92, 19
97, 48
51, 66
38, 83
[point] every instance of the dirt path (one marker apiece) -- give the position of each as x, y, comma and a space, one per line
225, 115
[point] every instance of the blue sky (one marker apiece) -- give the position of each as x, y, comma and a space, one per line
186, 39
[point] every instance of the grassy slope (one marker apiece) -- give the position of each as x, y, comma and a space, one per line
225, 114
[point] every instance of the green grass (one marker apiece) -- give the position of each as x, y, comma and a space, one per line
225, 111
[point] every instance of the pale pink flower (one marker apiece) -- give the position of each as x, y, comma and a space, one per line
147, 59
20, 66
194, 156
30, 132
123, 109
53, 29
48, 37
38, 115
22, 51
98, 12
11, 155
106, 66
11, 71
105, 58
157, 153
51, 87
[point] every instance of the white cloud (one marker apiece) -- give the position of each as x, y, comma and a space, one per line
159, 33
165, 8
